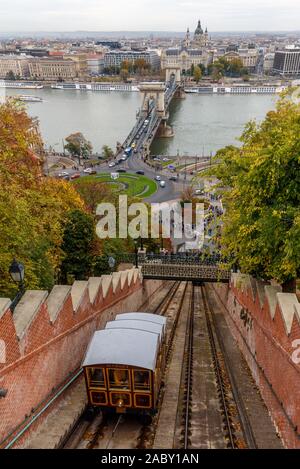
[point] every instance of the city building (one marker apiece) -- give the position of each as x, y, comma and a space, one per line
287, 61
249, 57
53, 69
80, 61
95, 64
185, 58
193, 51
269, 62
115, 58
16, 64
109, 44
200, 37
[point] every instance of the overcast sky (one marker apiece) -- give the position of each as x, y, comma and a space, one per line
156, 15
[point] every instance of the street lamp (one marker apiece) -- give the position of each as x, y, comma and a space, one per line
17, 273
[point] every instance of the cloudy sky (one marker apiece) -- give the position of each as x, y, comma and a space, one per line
134, 15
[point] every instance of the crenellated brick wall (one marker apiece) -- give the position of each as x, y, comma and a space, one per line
45, 339
266, 325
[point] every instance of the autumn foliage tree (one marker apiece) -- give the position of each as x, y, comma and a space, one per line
262, 196
32, 208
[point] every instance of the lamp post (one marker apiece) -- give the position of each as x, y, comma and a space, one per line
17, 273
136, 253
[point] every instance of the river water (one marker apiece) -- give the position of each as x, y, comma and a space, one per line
202, 123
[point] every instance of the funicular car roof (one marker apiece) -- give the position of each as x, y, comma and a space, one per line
123, 347
137, 325
143, 317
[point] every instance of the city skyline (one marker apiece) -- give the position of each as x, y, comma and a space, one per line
154, 15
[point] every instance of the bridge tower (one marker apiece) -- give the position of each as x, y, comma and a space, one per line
153, 91
172, 72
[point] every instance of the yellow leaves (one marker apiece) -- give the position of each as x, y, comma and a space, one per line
33, 209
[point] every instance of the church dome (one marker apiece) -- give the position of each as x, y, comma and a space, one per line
199, 30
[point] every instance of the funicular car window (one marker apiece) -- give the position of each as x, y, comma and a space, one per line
96, 377
141, 380
142, 400
118, 378
120, 399
98, 397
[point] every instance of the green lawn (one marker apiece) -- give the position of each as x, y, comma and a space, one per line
167, 163
135, 185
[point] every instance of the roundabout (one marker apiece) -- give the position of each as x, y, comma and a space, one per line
132, 185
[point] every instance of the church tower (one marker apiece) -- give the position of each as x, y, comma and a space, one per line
187, 40
200, 38
198, 33
206, 37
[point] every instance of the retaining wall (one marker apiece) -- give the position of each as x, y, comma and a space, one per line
266, 324
44, 341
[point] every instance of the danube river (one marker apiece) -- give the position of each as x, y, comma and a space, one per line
202, 123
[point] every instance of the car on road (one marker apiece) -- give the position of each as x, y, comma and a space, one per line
112, 164
162, 184
166, 159
173, 178
140, 172
124, 158
133, 145
121, 170
157, 178
63, 174
199, 192
75, 176
90, 171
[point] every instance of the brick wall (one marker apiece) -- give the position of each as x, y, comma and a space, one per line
46, 338
266, 325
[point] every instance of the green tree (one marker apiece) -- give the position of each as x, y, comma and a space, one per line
32, 208
107, 152
124, 74
10, 76
202, 68
141, 66
78, 145
197, 74
262, 197
79, 241
93, 193
235, 67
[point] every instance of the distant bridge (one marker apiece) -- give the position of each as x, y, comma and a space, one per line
153, 115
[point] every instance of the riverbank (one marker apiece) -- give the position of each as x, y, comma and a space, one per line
202, 124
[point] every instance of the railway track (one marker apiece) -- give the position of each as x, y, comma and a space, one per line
234, 431
106, 431
233, 407
221, 422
